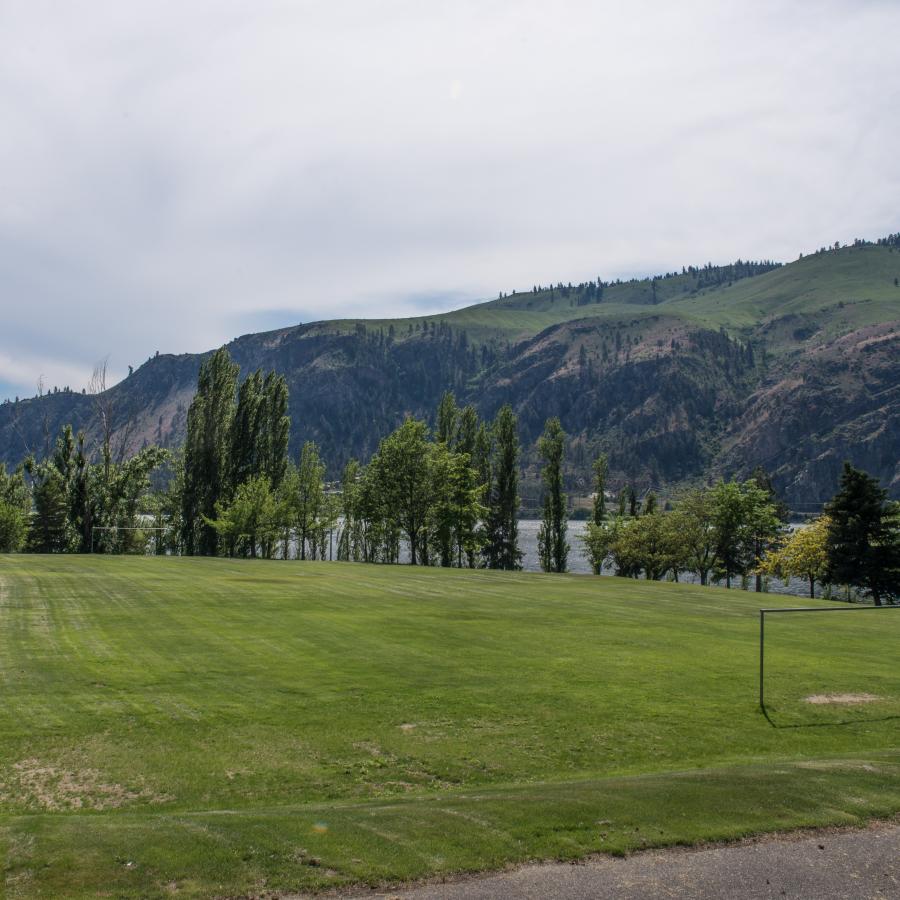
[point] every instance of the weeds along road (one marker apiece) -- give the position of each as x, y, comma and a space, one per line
824, 865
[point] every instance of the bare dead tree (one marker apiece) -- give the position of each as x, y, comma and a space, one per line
115, 426
104, 408
45, 420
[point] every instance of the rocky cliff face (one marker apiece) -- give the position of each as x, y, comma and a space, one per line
833, 400
706, 383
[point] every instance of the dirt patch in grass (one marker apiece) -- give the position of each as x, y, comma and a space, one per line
33, 783
844, 699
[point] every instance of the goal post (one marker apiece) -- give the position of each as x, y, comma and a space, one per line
151, 531
790, 610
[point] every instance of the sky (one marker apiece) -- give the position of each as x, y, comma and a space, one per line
174, 174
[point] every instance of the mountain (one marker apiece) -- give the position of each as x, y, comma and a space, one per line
708, 371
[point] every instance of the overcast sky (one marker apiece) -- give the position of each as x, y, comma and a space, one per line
173, 174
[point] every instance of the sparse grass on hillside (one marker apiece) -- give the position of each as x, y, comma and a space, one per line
838, 291
219, 727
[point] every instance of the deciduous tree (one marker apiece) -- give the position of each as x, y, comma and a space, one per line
552, 545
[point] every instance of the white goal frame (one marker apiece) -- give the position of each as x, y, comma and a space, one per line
155, 528
798, 609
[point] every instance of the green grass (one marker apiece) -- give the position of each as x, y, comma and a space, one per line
223, 728
836, 291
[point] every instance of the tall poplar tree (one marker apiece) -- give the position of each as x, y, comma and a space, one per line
447, 420
308, 500
260, 430
552, 545
601, 470
275, 429
244, 448
207, 466
501, 550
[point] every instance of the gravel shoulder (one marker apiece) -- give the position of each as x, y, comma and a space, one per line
829, 864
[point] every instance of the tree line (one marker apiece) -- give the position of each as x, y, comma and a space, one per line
449, 495
737, 530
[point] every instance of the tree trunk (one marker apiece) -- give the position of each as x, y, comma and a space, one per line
812, 587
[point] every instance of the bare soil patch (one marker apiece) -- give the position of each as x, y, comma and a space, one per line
842, 699
33, 782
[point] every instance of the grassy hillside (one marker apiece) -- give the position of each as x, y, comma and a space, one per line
218, 727
849, 288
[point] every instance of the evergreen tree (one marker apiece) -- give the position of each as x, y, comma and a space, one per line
500, 468
49, 530
15, 505
13, 527
552, 546
633, 508
864, 537
207, 461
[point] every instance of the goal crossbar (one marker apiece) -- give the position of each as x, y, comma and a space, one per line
117, 528
799, 609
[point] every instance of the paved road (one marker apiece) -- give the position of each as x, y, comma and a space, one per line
825, 865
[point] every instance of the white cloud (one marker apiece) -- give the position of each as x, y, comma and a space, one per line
168, 171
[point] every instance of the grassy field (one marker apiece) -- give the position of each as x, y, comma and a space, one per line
210, 728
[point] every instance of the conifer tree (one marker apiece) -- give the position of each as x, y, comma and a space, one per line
49, 530
15, 505
864, 537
